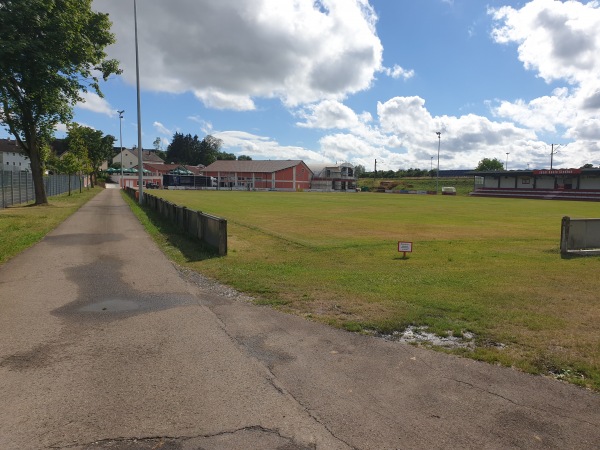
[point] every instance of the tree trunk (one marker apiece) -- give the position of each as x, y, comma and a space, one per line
37, 175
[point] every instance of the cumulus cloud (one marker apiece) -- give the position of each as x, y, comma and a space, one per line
93, 102
329, 114
559, 41
229, 53
398, 72
261, 147
404, 135
314, 54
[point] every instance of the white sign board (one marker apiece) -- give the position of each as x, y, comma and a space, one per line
405, 247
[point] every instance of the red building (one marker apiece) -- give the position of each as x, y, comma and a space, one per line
275, 175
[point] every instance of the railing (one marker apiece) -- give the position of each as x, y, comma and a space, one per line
16, 187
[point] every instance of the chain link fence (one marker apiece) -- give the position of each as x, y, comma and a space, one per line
17, 187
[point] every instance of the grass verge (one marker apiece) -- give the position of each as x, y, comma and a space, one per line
485, 267
21, 226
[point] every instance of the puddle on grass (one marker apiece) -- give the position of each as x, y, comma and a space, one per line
420, 336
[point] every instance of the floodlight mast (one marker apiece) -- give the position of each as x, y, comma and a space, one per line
552, 152
121, 144
437, 180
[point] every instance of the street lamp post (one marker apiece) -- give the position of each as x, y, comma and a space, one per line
139, 112
506, 167
431, 168
437, 180
121, 144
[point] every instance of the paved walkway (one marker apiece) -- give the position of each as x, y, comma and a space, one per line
105, 344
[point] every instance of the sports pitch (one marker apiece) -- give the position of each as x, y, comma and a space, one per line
487, 271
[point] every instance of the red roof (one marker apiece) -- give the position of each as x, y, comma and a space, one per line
259, 166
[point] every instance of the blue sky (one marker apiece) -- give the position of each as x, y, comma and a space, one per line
359, 80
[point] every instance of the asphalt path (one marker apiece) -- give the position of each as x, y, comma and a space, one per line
106, 344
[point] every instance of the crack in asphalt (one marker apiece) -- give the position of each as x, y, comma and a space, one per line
533, 408
162, 440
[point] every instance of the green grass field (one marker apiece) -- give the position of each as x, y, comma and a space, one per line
21, 226
486, 266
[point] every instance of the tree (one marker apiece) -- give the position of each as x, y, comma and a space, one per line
244, 158
51, 52
68, 164
91, 147
157, 144
210, 148
184, 149
487, 164
158, 148
226, 156
359, 170
587, 166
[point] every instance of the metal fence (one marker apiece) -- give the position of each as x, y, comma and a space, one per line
17, 187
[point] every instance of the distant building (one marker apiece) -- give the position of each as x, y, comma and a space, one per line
333, 177
260, 174
555, 184
130, 157
12, 157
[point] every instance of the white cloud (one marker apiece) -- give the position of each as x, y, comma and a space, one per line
260, 147
93, 102
398, 72
230, 52
160, 128
557, 39
541, 114
205, 126
329, 114
560, 42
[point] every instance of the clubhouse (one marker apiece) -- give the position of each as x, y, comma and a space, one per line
556, 184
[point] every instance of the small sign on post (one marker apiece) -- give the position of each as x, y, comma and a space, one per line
405, 247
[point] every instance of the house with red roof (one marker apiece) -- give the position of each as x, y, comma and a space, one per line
290, 175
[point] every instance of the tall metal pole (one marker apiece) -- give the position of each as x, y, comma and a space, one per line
139, 112
121, 144
552, 152
506, 166
437, 180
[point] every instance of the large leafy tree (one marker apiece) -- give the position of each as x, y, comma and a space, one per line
210, 150
183, 149
51, 52
487, 164
188, 149
91, 147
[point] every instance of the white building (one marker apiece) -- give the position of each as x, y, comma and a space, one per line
130, 158
334, 177
11, 156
